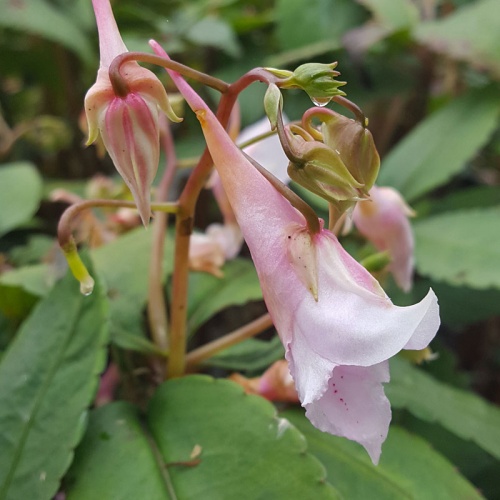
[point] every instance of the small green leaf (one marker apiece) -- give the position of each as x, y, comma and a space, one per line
409, 467
471, 34
116, 459
209, 294
42, 18
246, 451
463, 413
20, 193
460, 248
48, 377
439, 147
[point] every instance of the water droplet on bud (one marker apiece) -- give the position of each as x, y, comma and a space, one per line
87, 286
321, 101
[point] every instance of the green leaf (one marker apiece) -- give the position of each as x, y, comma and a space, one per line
48, 378
40, 17
251, 356
212, 31
393, 15
209, 294
116, 459
409, 467
460, 248
439, 147
124, 267
471, 33
247, 452
304, 22
463, 413
36, 279
20, 193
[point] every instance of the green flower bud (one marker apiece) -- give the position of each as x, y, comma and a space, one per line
273, 103
318, 80
321, 170
355, 146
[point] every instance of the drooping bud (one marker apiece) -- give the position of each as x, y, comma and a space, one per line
317, 79
354, 144
320, 169
273, 103
127, 121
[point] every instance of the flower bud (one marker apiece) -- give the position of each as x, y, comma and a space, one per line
317, 79
355, 146
321, 170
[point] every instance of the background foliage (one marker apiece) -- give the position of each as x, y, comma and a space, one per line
427, 75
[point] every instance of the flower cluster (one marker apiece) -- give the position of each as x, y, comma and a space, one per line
337, 325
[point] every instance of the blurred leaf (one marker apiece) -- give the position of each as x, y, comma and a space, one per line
40, 17
124, 266
304, 22
116, 459
408, 468
439, 147
251, 356
393, 15
48, 377
475, 197
471, 33
208, 295
247, 452
16, 302
460, 248
463, 413
36, 248
20, 194
36, 279
214, 32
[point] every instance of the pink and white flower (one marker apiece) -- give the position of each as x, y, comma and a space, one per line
127, 123
336, 323
383, 220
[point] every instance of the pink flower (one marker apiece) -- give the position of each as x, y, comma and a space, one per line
127, 123
383, 220
336, 323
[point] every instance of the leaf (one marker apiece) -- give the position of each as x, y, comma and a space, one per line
209, 294
42, 18
460, 248
251, 356
212, 31
124, 267
393, 15
463, 413
20, 193
304, 22
439, 147
247, 452
48, 378
409, 467
470, 34
116, 459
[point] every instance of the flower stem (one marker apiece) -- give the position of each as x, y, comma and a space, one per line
119, 84
251, 329
157, 310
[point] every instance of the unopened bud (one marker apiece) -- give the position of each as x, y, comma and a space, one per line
317, 79
322, 171
355, 146
273, 103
